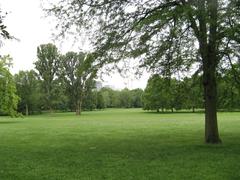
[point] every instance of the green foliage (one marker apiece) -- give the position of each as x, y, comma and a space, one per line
8, 97
229, 88
47, 66
78, 73
164, 93
121, 99
29, 90
165, 35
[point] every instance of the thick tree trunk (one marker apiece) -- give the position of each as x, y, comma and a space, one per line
207, 36
26, 108
210, 97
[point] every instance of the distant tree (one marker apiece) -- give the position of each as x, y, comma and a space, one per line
125, 98
28, 89
8, 97
78, 72
100, 104
90, 96
155, 96
193, 93
229, 88
136, 98
47, 66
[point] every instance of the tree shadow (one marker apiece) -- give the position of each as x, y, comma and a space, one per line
9, 122
175, 112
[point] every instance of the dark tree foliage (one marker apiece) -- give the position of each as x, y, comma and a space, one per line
166, 35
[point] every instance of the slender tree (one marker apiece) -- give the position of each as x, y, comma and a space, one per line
47, 66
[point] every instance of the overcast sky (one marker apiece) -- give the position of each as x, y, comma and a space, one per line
26, 22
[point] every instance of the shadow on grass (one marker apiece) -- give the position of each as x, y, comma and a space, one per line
175, 112
9, 122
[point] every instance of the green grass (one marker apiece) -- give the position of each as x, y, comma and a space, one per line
117, 144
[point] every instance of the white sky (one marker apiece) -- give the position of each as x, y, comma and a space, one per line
26, 22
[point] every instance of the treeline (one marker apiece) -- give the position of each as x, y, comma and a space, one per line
59, 82
171, 94
66, 82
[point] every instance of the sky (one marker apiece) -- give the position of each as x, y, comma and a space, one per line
26, 22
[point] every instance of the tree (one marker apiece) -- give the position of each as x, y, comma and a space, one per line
100, 100
78, 72
125, 98
136, 98
8, 97
166, 35
229, 88
155, 96
192, 93
47, 67
28, 89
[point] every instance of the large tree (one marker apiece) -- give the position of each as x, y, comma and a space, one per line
78, 72
166, 35
47, 66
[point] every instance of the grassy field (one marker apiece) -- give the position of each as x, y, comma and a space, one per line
117, 144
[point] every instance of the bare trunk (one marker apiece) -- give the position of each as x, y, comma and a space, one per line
193, 109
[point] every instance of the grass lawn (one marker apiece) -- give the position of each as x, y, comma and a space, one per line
118, 144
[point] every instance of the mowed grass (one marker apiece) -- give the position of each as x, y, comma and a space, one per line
118, 144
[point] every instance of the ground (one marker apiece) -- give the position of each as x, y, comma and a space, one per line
117, 144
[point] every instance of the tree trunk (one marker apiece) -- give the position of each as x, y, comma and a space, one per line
193, 109
157, 110
210, 96
208, 50
78, 107
26, 108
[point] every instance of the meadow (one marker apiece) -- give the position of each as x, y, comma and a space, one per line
118, 144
